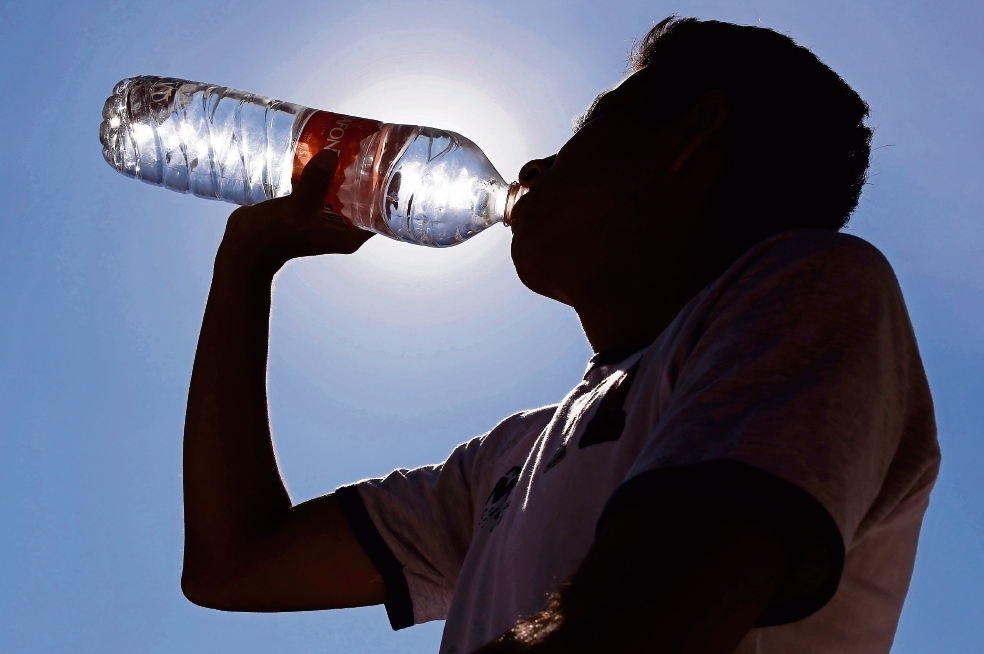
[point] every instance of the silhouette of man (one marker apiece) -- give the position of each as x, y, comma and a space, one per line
745, 465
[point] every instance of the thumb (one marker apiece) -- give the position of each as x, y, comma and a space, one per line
310, 190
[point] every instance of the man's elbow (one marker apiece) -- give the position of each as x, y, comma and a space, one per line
209, 592
199, 591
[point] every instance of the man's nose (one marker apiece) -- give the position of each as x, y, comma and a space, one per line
533, 168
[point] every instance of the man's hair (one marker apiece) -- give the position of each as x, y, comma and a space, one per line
798, 145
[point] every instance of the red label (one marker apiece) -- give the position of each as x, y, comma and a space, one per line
344, 135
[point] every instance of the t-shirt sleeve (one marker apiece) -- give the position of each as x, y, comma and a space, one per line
416, 525
804, 367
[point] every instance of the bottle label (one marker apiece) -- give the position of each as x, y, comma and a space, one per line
343, 134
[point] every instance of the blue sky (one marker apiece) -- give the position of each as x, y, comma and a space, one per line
391, 357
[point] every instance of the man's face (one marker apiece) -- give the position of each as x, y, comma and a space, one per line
581, 222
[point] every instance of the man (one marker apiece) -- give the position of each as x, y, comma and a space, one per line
746, 464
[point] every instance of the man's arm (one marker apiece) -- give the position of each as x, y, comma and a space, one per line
247, 548
688, 568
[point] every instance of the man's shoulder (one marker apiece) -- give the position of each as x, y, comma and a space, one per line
797, 285
483, 454
518, 426
833, 252
811, 265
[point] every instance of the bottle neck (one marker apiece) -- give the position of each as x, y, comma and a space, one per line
515, 192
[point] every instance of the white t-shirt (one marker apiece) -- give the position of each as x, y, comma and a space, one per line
798, 363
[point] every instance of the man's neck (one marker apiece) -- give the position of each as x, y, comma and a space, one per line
623, 327
636, 313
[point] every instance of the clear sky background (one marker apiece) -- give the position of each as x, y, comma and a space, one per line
392, 356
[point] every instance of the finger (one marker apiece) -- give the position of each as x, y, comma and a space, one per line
310, 190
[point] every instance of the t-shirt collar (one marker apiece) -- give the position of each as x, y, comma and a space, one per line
612, 356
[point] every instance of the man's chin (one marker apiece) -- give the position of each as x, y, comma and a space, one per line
534, 275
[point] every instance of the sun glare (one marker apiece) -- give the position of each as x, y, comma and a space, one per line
451, 100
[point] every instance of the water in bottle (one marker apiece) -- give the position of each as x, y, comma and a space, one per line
415, 184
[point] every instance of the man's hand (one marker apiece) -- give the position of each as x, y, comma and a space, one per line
247, 548
268, 235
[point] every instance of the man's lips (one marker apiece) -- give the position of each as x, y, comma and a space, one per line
513, 195
519, 212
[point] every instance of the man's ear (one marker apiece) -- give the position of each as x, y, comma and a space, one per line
700, 123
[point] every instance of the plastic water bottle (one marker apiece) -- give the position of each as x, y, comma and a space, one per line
415, 184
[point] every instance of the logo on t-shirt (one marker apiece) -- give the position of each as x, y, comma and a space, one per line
499, 499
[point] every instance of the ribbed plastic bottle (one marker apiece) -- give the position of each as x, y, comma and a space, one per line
415, 184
